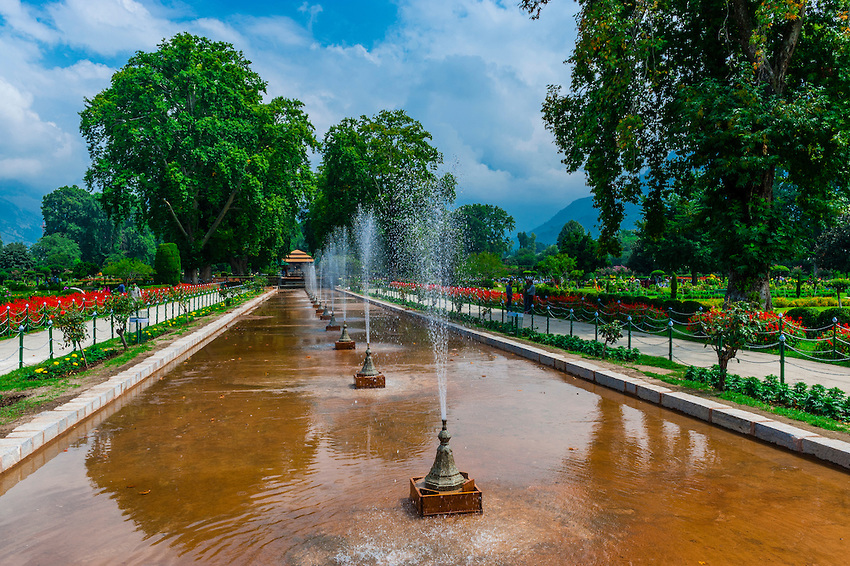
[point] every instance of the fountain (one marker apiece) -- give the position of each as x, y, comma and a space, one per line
445, 490
345, 342
332, 325
368, 376
215, 462
434, 237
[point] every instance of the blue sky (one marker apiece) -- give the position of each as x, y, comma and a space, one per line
473, 72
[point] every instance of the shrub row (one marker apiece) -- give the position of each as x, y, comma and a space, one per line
815, 400
685, 307
812, 318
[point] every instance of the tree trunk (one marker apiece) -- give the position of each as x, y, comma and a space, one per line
239, 265
752, 289
120, 333
206, 273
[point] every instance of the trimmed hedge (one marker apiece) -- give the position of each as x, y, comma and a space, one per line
167, 264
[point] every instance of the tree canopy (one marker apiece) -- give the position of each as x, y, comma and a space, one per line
721, 102
579, 245
182, 135
488, 228
386, 163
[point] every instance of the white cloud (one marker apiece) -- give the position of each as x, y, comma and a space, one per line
28, 144
474, 72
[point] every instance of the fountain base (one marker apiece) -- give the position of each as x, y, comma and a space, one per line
345, 345
332, 327
467, 499
325, 317
362, 381
319, 311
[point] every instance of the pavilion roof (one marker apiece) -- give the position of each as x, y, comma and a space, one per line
297, 256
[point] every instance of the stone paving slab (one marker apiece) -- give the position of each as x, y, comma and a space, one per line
743, 422
31, 436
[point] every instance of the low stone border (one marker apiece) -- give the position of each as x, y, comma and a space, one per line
30, 437
737, 420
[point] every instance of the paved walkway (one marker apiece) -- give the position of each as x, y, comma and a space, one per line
37, 344
748, 363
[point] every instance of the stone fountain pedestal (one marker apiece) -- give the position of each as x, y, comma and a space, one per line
345, 342
369, 377
445, 490
467, 499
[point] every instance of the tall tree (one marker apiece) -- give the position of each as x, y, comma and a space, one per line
385, 162
183, 135
487, 228
77, 214
576, 243
718, 101
56, 251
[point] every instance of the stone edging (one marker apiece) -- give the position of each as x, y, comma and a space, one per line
29, 437
744, 422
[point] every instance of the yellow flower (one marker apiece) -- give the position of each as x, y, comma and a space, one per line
55, 363
67, 359
73, 355
75, 363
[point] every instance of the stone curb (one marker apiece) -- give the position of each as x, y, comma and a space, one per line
29, 437
743, 422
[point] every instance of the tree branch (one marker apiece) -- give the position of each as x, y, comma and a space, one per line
221, 214
173, 215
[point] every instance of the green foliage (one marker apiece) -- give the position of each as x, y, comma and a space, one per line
674, 286
385, 163
84, 269
56, 249
15, 257
740, 108
832, 248
558, 267
482, 268
728, 330
184, 132
120, 308
611, 332
72, 322
815, 400
579, 245
128, 270
78, 215
487, 228
167, 265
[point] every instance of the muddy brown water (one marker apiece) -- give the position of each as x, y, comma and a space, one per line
259, 451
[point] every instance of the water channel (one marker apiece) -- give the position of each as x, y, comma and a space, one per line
258, 450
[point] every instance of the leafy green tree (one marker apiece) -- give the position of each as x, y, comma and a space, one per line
167, 264
558, 267
722, 102
832, 249
128, 269
580, 245
527, 241
386, 163
487, 228
120, 308
15, 257
728, 330
78, 215
71, 321
182, 135
482, 268
56, 249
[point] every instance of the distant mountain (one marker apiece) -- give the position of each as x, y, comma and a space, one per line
18, 224
582, 211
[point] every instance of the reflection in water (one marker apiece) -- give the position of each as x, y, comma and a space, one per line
259, 450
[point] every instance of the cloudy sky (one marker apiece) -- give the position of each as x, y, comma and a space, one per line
473, 72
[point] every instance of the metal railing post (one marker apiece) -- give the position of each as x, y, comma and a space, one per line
571, 322
629, 326
548, 312
670, 340
50, 336
21, 346
782, 358
596, 326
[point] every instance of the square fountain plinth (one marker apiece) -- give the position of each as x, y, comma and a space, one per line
369, 381
332, 327
345, 345
468, 499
